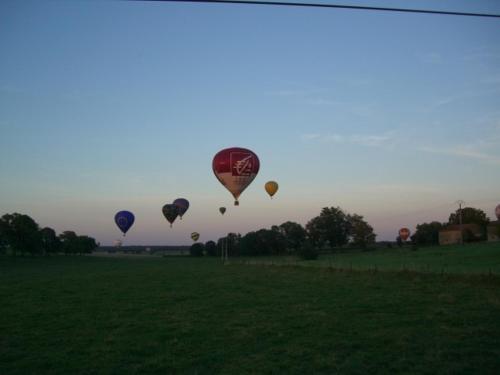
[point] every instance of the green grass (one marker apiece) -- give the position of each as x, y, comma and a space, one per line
65, 315
478, 258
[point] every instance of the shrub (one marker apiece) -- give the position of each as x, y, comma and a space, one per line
307, 251
196, 249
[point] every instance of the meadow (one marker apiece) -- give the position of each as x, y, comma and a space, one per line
475, 258
94, 315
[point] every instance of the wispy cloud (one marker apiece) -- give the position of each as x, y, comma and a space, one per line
464, 152
371, 140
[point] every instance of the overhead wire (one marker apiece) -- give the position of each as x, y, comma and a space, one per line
333, 6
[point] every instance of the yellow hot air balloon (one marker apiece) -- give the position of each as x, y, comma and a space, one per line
195, 236
271, 187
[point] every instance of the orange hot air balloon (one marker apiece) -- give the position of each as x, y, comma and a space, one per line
404, 233
235, 168
271, 187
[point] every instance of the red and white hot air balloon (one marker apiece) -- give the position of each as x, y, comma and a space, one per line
235, 168
404, 233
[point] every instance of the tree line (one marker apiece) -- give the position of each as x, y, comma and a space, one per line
20, 235
331, 229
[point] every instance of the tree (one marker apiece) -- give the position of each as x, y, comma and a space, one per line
331, 226
427, 233
211, 248
20, 233
69, 241
51, 244
294, 234
360, 232
470, 215
85, 245
196, 249
231, 242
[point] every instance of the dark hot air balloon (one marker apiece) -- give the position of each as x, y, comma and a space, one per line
124, 220
182, 206
195, 236
222, 210
170, 211
235, 168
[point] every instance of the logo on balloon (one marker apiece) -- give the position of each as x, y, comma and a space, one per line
242, 163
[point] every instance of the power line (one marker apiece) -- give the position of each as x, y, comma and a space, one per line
336, 6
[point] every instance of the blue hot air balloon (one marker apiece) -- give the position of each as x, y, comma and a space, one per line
182, 206
124, 220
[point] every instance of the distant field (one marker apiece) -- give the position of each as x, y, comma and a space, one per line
66, 315
480, 258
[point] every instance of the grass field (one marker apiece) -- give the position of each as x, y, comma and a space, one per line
479, 258
95, 315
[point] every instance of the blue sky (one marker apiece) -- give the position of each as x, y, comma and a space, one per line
112, 105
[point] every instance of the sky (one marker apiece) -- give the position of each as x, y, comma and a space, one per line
122, 105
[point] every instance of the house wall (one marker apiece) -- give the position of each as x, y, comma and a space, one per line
450, 237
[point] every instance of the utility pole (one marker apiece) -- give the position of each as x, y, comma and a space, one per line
460, 203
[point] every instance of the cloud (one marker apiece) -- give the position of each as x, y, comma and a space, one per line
370, 140
469, 152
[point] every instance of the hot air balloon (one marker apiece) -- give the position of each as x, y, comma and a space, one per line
222, 210
124, 220
182, 206
195, 236
117, 243
497, 212
235, 168
170, 211
271, 188
404, 233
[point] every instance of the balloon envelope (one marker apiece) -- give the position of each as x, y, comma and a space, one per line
222, 210
170, 211
195, 236
404, 233
271, 187
124, 220
497, 212
235, 168
182, 206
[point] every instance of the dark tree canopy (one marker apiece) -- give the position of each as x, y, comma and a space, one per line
211, 248
331, 227
21, 233
428, 233
294, 234
51, 244
470, 215
360, 232
196, 249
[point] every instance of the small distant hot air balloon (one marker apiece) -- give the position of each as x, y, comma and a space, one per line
170, 211
117, 243
497, 212
235, 168
182, 206
222, 210
195, 236
404, 233
271, 188
124, 220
